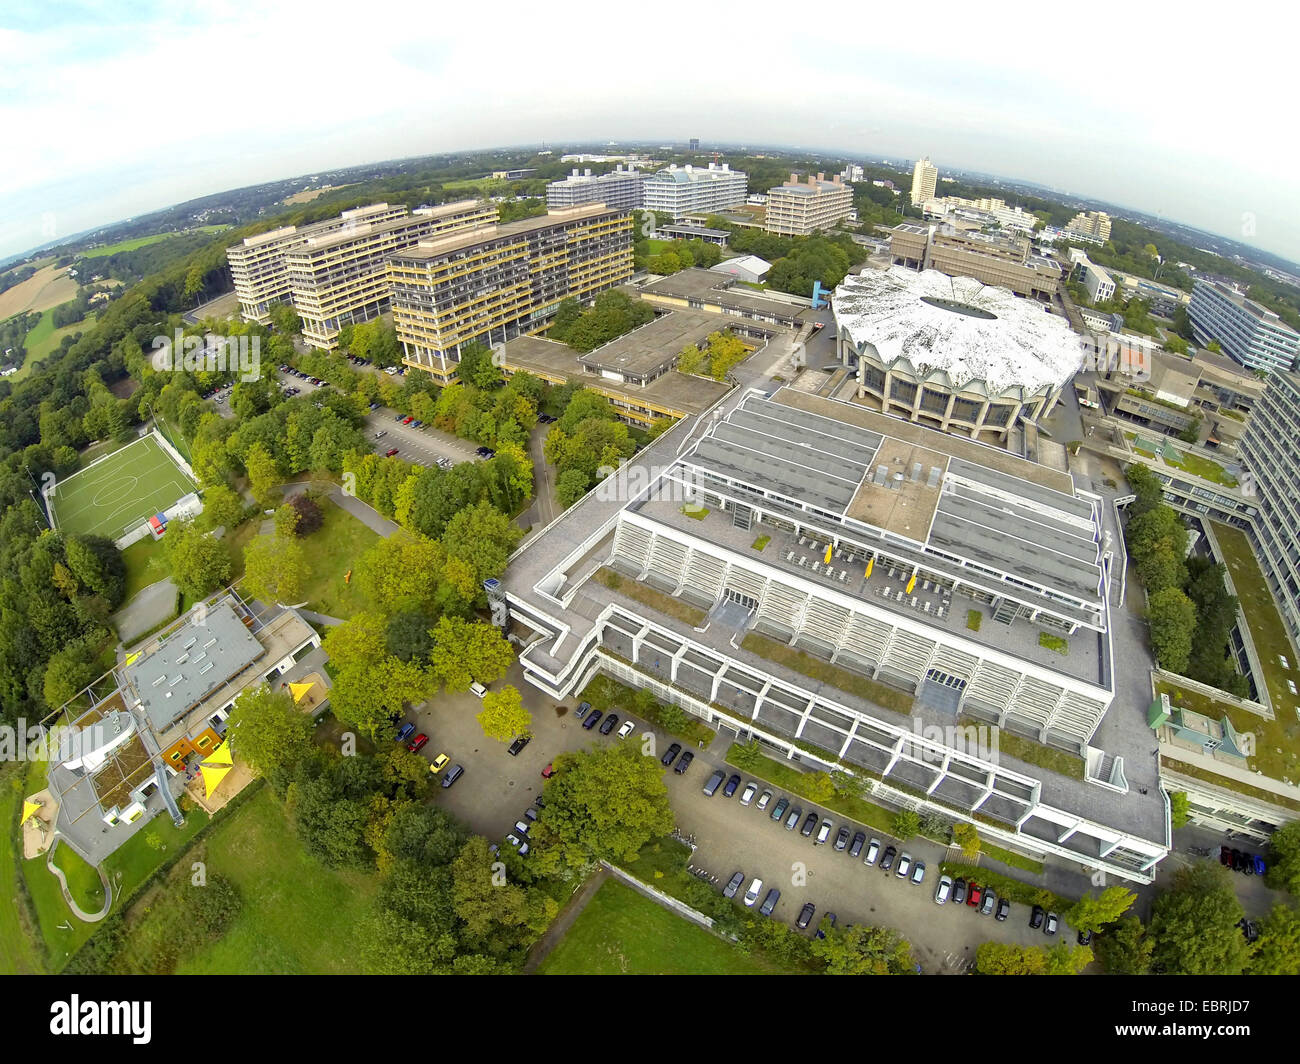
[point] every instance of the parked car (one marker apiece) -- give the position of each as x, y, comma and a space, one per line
904, 865
684, 763
1036, 916
974, 895
714, 782
733, 885
823, 832
478, 689
417, 424
827, 921
841, 840
444, 463
518, 745
1084, 938
747, 795
522, 826
438, 763
1225, 856
769, 903
581, 711
763, 799
518, 843
943, 891
418, 744
485, 452
407, 420
531, 813
806, 915
626, 729
453, 775
778, 811
548, 772
609, 723
1004, 909
398, 419
809, 825
855, 847
731, 786
986, 906
755, 889
1238, 860
1260, 866
887, 859
792, 819
1049, 926
390, 452
405, 733
593, 718
918, 872
1249, 929
959, 892
670, 755
873, 852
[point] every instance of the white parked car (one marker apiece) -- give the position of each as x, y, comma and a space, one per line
625, 729
751, 895
943, 891
747, 795
518, 844
522, 826
764, 798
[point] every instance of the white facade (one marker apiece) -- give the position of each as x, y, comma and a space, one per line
683, 190
925, 177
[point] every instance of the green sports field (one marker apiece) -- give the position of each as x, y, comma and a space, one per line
117, 493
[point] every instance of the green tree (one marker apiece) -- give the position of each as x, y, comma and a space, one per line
1172, 619
1092, 914
275, 567
1005, 958
483, 538
1277, 952
1194, 925
487, 903
1126, 948
570, 486
268, 731
504, 717
97, 564
863, 950
1284, 859
906, 824
965, 836
264, 476
465, 651
222, 508
604, 803
198, 563
1178, 808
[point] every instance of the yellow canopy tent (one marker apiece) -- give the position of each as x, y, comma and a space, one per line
29, 807
299, 690
215, 768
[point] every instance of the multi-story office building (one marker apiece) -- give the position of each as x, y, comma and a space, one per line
622, 189
798, 208
1270, 451
1252, 334
1091, 227
258, 267
880, 538
951, 352
495, 283
683, 190
1162, 299
341, 277
989, 211
1008, 262
925, 178
1099, 284
852, 173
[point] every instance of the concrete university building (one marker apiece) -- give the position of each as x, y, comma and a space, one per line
494, 283
951, 352
799, 208
619, 188
1008, 261
682, 190
786, 536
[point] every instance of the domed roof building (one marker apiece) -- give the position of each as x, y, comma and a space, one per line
953, 352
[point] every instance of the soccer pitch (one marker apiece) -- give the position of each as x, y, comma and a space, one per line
119, 491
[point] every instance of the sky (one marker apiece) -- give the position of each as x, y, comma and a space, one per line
119, 108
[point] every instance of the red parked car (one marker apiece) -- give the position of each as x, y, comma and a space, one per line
976, 894
407, 420
418, 744
390, 452
548, 772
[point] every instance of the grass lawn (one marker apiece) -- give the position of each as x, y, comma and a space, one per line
1196, 772
18, 952
850, 682
83, 881
44, 338
1033, 753
652, 597
144, 565
1054, 642
761, 543
974, 618
128, 487
1200, 467
298, 916
331, 552
622, 932
695, 511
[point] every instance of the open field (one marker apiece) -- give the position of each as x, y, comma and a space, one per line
331, 553
621, 932
309, 194
124, 489
18, 953
46, 289
298, 916
145, 241
44, 338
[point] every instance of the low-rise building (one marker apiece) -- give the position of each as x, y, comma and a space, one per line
1004, 261
681, 231
748, 268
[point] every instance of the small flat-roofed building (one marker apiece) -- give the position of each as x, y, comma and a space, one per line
683, 231
748, 268
698, 289
1005, 261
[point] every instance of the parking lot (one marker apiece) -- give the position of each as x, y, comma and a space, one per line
496, 789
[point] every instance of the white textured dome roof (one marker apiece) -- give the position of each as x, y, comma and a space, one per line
958, 326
